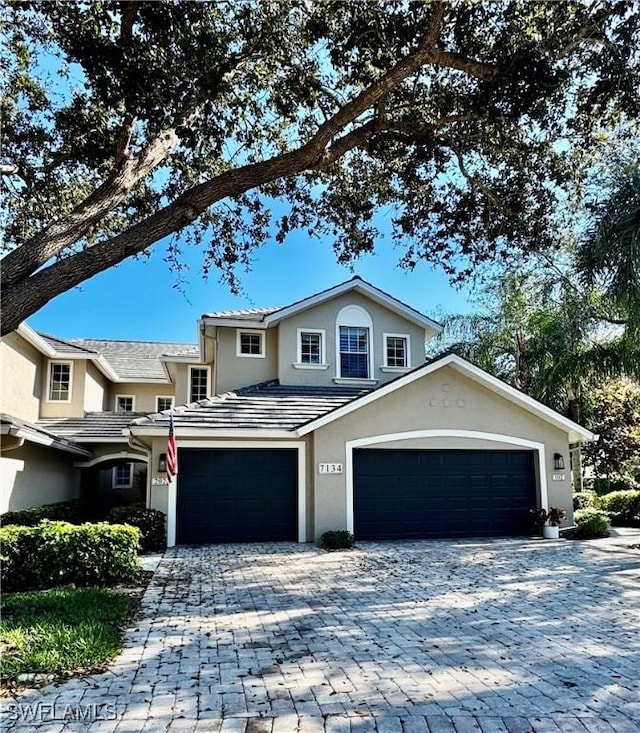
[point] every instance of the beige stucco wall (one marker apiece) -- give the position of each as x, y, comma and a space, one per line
145, 394
75, 408
459, 403
34, 475
324, 316
96, 390
240, 371
21, 368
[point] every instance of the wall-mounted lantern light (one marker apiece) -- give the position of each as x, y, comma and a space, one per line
162, 463
558, 461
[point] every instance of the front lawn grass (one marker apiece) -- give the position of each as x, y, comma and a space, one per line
62, 630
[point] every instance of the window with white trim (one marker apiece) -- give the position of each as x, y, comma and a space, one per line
125, 403
311, 347
163, 403
353, 343
396, 350
354, 352
250, 343
198, 383
122, 476
60, 381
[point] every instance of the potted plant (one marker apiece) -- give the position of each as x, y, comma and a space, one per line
549, 521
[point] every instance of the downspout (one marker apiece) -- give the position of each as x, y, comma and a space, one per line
137, 445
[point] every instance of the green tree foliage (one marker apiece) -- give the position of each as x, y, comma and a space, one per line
609, 256
541, 333
125, 123
613, 411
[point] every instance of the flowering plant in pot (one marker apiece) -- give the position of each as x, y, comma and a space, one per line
548, 520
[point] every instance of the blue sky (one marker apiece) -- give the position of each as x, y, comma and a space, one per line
137, 299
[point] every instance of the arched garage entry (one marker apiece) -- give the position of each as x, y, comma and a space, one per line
452, 485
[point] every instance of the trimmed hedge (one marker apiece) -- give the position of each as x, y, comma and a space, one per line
339, 539
590, 524
622, 507
586, 500
150, 522
58, 553
62, 511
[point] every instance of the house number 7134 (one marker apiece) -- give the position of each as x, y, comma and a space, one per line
329, 467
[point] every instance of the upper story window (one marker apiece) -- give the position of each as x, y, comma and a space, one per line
60, 381
125, 403
198, 383
122, 476
396, 351
250, 343
354, 352
163, 403
354, 346
311, 347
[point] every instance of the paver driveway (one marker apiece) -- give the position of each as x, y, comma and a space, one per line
502, 635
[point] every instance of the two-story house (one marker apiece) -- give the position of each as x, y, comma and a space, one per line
319, 415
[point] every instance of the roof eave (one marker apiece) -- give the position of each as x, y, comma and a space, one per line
575, 432
365, 288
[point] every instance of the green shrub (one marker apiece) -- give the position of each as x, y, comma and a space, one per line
586, 500
615, 482
591, 524
150, 522
339, 539
622, 507
63, 511
58, 553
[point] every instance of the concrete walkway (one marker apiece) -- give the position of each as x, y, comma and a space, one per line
504, 635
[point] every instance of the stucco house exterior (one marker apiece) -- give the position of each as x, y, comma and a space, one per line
289, 422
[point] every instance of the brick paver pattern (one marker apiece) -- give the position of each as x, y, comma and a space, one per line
413, 637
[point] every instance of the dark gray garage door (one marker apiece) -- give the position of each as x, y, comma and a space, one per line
412, 494
237, 495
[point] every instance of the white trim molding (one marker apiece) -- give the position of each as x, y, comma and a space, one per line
123, 455
65, 362
355, 316
114, 475
117, 398
190, 369
407, 352
358, 285
322, 364
464, 434
576, 433
299, 445
165, 397
251, 332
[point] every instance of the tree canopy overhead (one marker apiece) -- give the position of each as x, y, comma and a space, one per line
126, 122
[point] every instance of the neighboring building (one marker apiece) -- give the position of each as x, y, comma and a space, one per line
289, 422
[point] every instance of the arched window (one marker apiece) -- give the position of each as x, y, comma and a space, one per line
353, 343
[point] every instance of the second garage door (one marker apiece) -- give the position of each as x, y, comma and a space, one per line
237, 495
412, 494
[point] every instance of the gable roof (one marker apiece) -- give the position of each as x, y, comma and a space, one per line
268, 406
576, 433
118, 360
134, 361
270, 316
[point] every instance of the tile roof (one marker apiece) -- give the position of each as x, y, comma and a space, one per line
264, 406
32, 430
92, 426
137, 359
63, 346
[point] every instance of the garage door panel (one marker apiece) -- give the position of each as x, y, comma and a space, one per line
442, 493
237, 495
